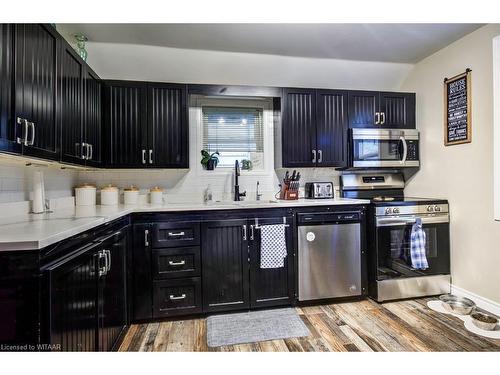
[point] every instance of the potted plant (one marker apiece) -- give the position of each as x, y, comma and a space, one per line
209, 161
246, 165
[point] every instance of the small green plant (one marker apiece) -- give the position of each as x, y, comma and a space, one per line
209, 161
246, 165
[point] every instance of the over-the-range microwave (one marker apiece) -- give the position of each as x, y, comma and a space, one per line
384, 148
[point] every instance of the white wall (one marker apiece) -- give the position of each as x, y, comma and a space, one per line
496, 120
461, 173
152, 63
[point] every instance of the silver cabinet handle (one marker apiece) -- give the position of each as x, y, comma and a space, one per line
178, 234
150, 156
251, 232
320, 156
172, 297
24, 135
32, 141
405, 150
84, 151
181, 263
108, 253
314, 156
91, 152
377, 118
383, 117
101, 255
244, 232
143, 156
146, 237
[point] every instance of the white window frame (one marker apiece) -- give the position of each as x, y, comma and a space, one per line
196, 122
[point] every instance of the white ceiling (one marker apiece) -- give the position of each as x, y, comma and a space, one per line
400, 43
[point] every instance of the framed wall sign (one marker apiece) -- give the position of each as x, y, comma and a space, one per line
457, 109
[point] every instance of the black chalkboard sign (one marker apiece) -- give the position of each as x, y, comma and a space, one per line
457, 109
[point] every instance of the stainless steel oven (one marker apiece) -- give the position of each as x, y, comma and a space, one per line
395, 277
384, 148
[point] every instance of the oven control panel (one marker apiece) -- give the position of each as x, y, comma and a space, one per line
412, 209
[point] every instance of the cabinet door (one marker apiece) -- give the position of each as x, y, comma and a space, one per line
125, 119
140, 269
71, 82
299, 128
271, 286
363, 109
73, 299
9, 131
112, 292
397, 110
225, 265
168, 126
93, 117
331, 127
36, 52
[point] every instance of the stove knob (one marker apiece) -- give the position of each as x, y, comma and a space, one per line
396, 210
437, 208
388, 211
430, 209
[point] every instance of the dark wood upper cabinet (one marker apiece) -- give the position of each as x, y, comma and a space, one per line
397, 110
35, 65
331, 128
363, 109
71, 74
373, 109
146, 125
298, 132
9, 131
168, 126
225, 265
93, 117
314, 128
125, 121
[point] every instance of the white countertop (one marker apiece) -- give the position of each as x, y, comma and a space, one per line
31, 232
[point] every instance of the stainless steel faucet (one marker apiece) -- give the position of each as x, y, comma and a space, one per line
257, 194
237, 194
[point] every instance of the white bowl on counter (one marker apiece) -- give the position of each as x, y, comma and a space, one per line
85, 195
109, 195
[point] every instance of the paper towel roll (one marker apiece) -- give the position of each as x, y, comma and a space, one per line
38, 193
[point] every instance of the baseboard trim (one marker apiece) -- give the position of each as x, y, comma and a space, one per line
484, 303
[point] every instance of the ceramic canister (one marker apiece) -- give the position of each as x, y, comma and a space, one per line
156, 195
109, 195
85, 195
130, 195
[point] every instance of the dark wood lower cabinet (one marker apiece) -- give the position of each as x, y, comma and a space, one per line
225, 265
271, 286
176, 297
87, 307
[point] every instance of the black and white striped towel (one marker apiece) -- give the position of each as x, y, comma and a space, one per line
272, 246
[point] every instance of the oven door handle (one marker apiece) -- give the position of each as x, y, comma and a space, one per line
405, 149
395, 222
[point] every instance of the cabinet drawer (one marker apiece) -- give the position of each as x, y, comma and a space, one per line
176, 297
176, 234
176, 262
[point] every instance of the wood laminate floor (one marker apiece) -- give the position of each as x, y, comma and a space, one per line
351, 326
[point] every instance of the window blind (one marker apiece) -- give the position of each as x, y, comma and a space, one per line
234, 130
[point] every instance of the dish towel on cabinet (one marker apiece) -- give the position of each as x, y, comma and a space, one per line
272, 246
417, 246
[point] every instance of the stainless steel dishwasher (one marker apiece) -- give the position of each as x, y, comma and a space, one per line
329, 255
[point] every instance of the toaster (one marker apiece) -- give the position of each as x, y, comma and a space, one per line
319, 190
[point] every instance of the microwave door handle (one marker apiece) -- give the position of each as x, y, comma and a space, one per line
405, 149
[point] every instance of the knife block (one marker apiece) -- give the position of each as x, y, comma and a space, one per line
288, 194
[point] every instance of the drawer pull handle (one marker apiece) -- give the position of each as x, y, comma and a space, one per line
181, 263
182, 296
178, 234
